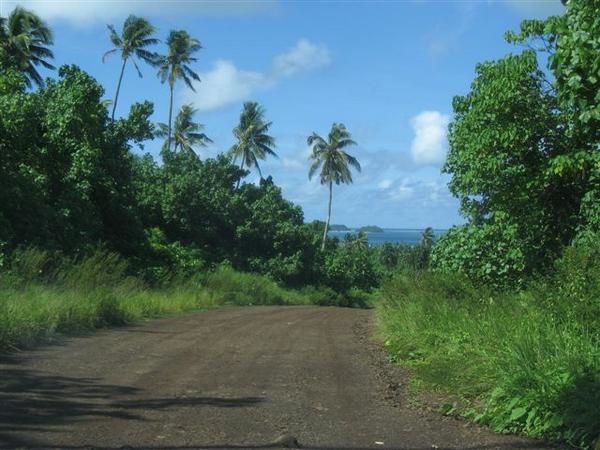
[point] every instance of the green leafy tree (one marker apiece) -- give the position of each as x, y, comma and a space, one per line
270, 237
175, 65
572, 42
351, 264
253, 141
334, 162
187, 133
66, 173
198, 204
506, 136
576, 65
136, 37
24, 213
24, 42
524, 153
492, 253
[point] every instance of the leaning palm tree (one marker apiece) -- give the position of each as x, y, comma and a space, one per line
329, 155
134, 40
253, 141
186, 133
175, 65
24, 41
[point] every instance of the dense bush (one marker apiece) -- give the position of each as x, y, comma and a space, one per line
396, 257
491, 253
70, 181
508, 319
529, 361
66, 169
524, 151
351, 264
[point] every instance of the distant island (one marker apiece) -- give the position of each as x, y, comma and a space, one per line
365, 229
371, 229
338, 227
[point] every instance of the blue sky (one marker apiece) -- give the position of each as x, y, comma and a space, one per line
386, 69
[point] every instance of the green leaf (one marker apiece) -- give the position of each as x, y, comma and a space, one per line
517, 413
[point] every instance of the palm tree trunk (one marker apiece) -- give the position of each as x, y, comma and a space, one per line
170, 115
118, 89
241, 167
328, 216
259, 171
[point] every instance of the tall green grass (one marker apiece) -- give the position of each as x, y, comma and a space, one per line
44, 295
527, 362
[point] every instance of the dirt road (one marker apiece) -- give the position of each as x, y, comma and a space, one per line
228, 378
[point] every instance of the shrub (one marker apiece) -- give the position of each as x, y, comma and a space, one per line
351, 264
525, 364
489, 253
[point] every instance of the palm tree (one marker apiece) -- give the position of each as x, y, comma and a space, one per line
253, 142
427, 238
358, 241
329, 155
24, 41
175, 65
134, 40
187, 133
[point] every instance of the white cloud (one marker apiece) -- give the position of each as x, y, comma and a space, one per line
415, 190
294, 163
81, 12
385, 184
429, 144
226, 84
404, 191
308, 191
304, 56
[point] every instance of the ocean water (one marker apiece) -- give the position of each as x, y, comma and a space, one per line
395, 235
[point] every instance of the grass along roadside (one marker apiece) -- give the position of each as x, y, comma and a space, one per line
38, 302
521, 365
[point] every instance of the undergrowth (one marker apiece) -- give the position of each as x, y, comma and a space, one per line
527, 362
42, 295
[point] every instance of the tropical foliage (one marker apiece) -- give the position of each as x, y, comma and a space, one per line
175, 65
507, 319
24, 42
133, 42
187, 134
253, 141
524, 153
335, 164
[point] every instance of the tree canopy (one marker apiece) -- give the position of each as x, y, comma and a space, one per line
24, 44
254, 142
133, 42
524, 151
330, 157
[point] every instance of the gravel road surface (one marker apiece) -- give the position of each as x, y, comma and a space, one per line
255, 377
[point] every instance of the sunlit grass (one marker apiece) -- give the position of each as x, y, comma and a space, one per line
38, 300
523, 367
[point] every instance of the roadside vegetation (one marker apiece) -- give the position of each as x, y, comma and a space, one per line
44, 295
507, 316
501, 311
95, 233
74, 179
524, 361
